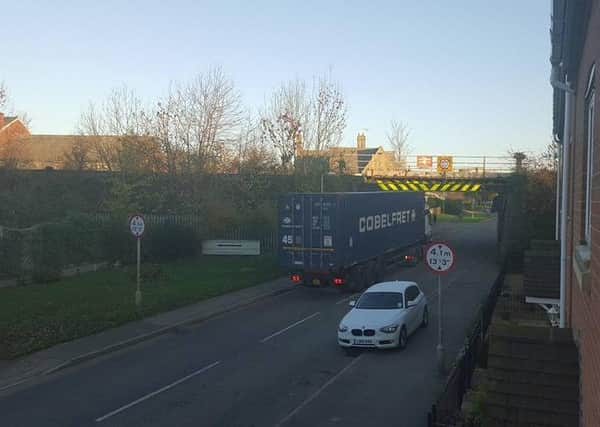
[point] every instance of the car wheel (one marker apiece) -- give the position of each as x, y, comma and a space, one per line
402, 338
425, 321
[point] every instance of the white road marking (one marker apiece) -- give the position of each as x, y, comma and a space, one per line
154, 393
15, 383
289, 327
343, 300
317, 393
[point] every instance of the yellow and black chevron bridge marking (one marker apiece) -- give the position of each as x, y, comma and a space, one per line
421, 185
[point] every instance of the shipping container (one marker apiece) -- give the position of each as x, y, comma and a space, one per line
328, 236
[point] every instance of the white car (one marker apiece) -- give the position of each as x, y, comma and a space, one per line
384, 316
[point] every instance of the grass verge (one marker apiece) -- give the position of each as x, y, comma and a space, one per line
37, 316
466, 218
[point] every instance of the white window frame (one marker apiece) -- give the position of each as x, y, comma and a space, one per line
590, 99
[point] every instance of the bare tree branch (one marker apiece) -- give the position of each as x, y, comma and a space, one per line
327, 120
7, 107
3, 96
397, 137
318, 117
120, 115
284, 117
78, 156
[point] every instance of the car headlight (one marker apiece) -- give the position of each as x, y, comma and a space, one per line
342, 328
389, 329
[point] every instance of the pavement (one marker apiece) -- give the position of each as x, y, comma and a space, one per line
267, 361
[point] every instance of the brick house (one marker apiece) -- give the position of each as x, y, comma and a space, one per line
357, 160
21, 149
576, 119
11, 127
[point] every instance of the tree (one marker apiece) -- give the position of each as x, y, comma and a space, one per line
78, 157
6, 106
327, 119
122, 116
283, 120
397, 137
293, 114
251, 155
3, 96
122, 131
196, 124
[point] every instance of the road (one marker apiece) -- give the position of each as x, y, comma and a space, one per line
274, 363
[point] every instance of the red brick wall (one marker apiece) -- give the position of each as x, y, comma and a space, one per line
13, 131
583, 305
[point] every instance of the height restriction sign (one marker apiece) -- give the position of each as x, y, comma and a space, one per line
137, 225
439, 257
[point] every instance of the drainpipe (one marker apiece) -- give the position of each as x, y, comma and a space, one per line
569, 101
558, 177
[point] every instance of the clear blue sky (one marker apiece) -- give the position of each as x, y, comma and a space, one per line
468, 77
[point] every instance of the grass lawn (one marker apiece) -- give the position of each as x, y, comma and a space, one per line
477, 217
40, 315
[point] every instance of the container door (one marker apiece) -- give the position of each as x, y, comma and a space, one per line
321, 244
291, 233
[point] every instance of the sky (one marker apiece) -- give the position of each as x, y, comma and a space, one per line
466, 77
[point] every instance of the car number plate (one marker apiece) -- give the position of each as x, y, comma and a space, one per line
363, 342
316, 282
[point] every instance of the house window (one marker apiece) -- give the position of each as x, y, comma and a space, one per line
590, 99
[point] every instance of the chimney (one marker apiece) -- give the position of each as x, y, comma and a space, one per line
361, 141
1, 119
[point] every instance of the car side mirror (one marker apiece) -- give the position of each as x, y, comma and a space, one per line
352, 303
411, 303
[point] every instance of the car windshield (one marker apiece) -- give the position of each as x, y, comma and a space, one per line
380, 301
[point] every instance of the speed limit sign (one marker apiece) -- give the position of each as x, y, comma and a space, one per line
439, 257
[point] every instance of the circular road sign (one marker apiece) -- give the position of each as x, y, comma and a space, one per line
137, 225
439, 257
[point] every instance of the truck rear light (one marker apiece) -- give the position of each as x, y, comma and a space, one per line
296, 278
338, 281
409, 257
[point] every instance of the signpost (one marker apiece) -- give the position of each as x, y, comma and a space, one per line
137, 227
424, 162
444, 164
439, 257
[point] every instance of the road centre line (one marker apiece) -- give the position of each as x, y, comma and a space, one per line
154, 393
289, 327
346, 299
318, 392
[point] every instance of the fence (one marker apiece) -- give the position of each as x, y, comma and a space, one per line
445, 412
267, 236
44, 251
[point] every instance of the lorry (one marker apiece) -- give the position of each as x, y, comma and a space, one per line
347, 240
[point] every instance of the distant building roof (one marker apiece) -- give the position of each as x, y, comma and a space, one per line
356, 160
41, 151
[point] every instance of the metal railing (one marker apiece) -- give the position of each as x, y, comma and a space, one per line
460, 167
267, 236
446, 411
